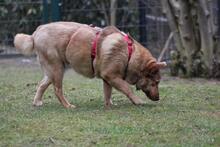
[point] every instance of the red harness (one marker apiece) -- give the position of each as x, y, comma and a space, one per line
130, 45
94, 47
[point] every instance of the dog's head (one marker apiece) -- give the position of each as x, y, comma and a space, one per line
150, 79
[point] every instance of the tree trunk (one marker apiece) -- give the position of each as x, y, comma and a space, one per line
186, 32
113, 10
194, 33
206, 34
167, 9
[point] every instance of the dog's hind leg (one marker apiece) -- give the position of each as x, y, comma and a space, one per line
107, 94
58, 72
42, 86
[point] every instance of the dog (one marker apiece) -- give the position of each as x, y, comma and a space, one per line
105, 53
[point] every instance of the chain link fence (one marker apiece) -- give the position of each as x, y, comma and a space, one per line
17, 16
152, 32
143, 19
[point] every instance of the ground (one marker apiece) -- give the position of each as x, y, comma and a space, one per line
188, 113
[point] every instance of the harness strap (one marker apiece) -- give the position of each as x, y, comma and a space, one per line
130, 50
130, 43
94, 46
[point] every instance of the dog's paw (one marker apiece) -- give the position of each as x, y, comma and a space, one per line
139, 102
108, 106
37, 103
70, 106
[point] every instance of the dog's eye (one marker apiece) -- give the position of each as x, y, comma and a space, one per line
137, 88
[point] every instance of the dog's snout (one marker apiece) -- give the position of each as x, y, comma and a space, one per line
155, 99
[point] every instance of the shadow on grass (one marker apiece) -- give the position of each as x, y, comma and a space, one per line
92, 106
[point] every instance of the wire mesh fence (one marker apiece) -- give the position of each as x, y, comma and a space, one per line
127, 19
143, 19
17, 16
25, 15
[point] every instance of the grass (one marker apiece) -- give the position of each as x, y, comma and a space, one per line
187, 115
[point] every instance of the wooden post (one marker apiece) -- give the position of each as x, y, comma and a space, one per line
113, 11
218, 18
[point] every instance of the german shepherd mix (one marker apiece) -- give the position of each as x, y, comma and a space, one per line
105, 53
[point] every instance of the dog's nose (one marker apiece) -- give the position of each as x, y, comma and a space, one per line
155, 98
152, 97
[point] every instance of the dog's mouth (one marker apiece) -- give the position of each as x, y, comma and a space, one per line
153, 98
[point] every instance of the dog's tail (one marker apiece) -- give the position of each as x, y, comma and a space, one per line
24, 43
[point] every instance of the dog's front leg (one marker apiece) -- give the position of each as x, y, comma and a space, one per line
107, 88
123, 86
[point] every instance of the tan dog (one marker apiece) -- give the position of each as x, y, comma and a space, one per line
68, 43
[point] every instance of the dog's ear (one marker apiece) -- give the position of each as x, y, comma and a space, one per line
161, 64
154, 67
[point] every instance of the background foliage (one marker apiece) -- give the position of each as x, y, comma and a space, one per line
25, 15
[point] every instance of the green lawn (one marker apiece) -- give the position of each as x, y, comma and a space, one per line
188, 113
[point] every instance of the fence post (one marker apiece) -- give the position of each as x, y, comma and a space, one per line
45, 11
218, 3
55, 10
142, 22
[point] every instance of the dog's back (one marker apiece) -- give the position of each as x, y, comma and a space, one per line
46, 37
64, 42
